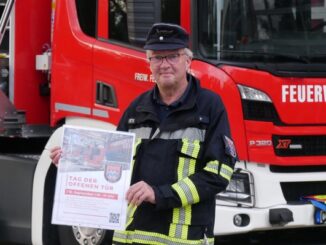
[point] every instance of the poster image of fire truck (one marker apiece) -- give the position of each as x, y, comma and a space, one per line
93, 176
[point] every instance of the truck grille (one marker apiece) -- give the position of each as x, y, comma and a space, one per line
297, 169
293, 191
299, 145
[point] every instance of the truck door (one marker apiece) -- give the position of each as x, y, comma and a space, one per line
121, 71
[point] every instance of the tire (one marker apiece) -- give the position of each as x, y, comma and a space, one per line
69, 235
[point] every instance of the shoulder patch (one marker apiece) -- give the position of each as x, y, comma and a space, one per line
229, 147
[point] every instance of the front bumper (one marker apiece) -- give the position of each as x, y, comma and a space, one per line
259, 218
275, 201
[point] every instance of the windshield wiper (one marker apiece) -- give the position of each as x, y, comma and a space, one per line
275, 55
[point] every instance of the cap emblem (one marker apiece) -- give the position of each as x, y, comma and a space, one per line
164, 32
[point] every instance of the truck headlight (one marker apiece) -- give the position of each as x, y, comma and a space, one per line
248, 93
257, 105
240, 189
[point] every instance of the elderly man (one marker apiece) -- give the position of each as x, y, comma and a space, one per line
184, 155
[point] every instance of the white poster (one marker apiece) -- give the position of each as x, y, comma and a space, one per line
93, 176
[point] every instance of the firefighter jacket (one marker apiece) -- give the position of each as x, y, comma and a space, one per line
187, 159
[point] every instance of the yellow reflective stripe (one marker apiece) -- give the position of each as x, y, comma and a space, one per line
130, 213
186, 167
178, 231
172, 230
193, 190
187, 191
182, 231
181, 168
187, 215
131, 210
137, 142
145, 237
176, 215
182, 215
196, 147
129, 221
226, 172
132, 164
181, 194
190, 148
181, 218
212, 170
192, 165
117, 238
212, 167
185, 145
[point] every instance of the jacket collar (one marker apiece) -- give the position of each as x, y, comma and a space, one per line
146, 105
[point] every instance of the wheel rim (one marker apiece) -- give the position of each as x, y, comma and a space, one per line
88, 236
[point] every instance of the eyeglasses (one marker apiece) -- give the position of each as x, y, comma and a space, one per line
170, 58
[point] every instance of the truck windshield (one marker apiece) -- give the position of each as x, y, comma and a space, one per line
256, 30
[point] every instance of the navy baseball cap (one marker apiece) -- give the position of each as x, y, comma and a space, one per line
164, 36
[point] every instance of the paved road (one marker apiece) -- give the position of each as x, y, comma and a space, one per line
316, 236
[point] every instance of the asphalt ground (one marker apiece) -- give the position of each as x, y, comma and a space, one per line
311, 236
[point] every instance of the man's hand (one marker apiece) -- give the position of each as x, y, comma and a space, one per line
55, 154
140, 192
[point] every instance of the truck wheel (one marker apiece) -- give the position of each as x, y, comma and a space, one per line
75, 235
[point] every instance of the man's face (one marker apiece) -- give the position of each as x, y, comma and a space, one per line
169, 67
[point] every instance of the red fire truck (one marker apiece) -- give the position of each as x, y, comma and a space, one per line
81, 62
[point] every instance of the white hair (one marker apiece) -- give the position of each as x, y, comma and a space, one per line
189, 53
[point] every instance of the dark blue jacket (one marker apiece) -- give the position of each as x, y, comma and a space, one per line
187, 158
